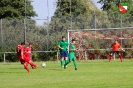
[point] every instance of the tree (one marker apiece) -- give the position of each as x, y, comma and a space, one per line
15, 9
84, 14
76, 6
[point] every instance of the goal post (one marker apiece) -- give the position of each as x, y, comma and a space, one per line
96, 43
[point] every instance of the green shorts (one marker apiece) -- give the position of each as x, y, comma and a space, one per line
72, 57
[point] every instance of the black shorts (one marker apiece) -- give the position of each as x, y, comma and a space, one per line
112, 52
64, 53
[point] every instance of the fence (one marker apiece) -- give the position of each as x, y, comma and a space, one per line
12, 32
37, 56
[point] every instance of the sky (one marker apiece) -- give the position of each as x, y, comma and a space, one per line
46, 8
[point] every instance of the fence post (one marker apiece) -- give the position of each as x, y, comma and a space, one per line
85, 56
57, 56
4, 57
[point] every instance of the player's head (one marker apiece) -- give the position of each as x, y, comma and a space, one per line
63, 38
22, 43
26, 44
30, 44
116, 41
73, 41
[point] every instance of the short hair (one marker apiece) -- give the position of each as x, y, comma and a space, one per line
63, 37
73, 40
22, 43
30, 43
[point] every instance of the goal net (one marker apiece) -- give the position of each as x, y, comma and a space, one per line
96, 43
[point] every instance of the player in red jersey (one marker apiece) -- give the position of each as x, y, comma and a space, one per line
27, 56
115, 49
20, 53
23, 56
29, 50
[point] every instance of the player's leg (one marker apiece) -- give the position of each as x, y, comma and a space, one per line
32, 64
31, 60
120, 56
111, 56
26, 67
62, 58
66, 60
70, 59
66, 57
74, 62
28, 60
65, 65
22, 61
62, 61
27, 64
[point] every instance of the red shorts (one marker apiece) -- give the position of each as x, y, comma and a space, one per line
22, 61
27, 59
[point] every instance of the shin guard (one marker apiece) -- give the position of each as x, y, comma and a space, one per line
120, 56
26, 67
110, 57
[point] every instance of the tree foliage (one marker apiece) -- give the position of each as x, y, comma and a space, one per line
75, 6
84, 15
15, 9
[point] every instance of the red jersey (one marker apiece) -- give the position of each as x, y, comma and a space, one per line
19, 50
27, 54
115, 46
27, 51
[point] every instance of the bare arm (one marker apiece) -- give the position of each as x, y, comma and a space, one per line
22, 54
60, 47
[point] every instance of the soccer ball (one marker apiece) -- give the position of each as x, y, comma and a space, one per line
43, 65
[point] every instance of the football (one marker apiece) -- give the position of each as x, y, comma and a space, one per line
43, 65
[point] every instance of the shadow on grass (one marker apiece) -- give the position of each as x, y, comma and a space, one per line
12, 72
16, 68
57, 69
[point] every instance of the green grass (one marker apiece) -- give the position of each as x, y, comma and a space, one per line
90, 74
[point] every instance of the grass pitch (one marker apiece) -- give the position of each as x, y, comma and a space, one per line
90, 74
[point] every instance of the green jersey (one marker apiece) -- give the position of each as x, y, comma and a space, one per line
63, 44
72, 56
72, 47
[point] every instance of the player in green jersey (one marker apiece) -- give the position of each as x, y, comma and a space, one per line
63, 46
72, 56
